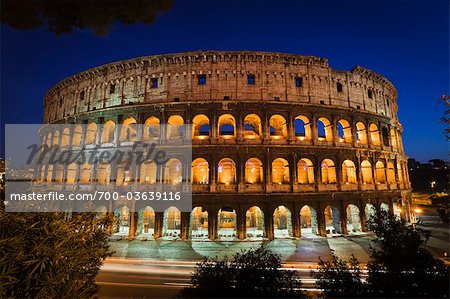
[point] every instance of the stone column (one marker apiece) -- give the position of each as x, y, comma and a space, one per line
159, 222
343, 220
212, 224
321, 225
268, 225
363, 218
133, 224
241, 224
296, 225
185, 219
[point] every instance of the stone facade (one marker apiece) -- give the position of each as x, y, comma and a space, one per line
317, 137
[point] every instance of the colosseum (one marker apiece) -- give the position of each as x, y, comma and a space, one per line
283, 146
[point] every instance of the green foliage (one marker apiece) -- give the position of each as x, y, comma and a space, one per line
50, 255
255, 273
442, 203
340, 278
400, 265
64, 16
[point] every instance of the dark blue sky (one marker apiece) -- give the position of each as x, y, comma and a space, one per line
405, 41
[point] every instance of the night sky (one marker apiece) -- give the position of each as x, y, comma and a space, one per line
405, 41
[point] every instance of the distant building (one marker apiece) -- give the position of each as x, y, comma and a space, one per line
429, 177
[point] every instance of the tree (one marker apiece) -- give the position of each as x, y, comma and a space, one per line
63, 16
340, 278
49, 255
255, 273
445, 99
400, 265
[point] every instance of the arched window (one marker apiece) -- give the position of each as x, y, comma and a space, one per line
280, 171
173, 172
128, 131
253, 171
148, 172
175, 128
400, 172
252, 126
59, 173
124, 174
348, 172
71, 173
85, 173
278, 127
65, 138
200, 127
328, 172
344, 131
50, 173
390, 173
361, 133
103, 173
200, 171
305, 172
56, 138
302, 128
77, 135
227, 126
48, 140
324, 131
385, 134
226, 171
42, 177
394, 139
380, 172
108, 132
91, 133
374, 135
366, 171
151, 128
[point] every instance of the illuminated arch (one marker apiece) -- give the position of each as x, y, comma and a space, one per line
324, 130
172, 222
108, 132
91, 133
124, 174
305, 172
226, 171
253, 171
254, 222
282, 222
77, 135
65, 138
302, 127
344, 131
227, 126
394, 141
175, 128
56, 138
380, 172
198, 223
151, 128
328, 171
252, 126
280, 171
200, 127
348, 172
374, 134
85, 173
173, 172
200, 171
71, 173
148, 172
361, 133
103, 173
390, 173
128, 132
366, 171
278, 127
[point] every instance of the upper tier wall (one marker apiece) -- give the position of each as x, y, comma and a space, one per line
276, 78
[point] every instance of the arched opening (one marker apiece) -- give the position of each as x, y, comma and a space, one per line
344, 131
59, 173
384, 207
91, 134
173, 171
390, 173
108, 132
146, 222
50, 173
172, 222
366, 171
200, 127
103, 173
42, 176
226, 171
124, 174
77, 135
302, 128
348, 172
200, 172
151, 128
374, 134
361, 133
175, 128
332, 220
324, 130
148, 172
385, 134
56, 138
305, 172
353, 219
65, 138
128, 131
394, 139
278, 127
328, 172
227, 223
227, 126
71, 173
253, 171
370, 211
280, 171
85, 173
254, 223
199, 223
121, 224
48, 140
380, 173
252, 126
308, 221
282, 225
400, 172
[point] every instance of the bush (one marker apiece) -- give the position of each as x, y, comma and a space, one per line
255, 273
48, 255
